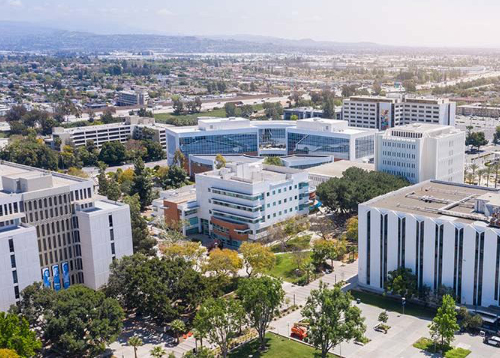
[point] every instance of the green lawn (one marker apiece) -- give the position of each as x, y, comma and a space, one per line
390, 304
427, 345
187, 119
285, 267
277, 347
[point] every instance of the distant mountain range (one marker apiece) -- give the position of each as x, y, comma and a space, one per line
22, 36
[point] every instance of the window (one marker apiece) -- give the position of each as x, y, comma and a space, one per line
110, 219
11, 245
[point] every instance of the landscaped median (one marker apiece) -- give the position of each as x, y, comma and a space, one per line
277, 347
430, 346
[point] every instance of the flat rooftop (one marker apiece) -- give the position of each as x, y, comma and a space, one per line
14, 170
335, 169
437, 199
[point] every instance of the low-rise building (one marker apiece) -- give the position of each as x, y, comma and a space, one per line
323, 173
421, 152
132, 98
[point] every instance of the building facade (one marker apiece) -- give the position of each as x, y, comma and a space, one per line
421, 152
313, 136
242, 201
448, 234
132, 98
55, 230
386, 112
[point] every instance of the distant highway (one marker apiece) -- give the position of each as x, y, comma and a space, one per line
206, 106
470, 78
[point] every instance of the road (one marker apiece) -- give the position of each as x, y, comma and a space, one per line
469, 78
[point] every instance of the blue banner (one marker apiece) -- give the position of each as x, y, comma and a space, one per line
65, 273
57, 280
46, 277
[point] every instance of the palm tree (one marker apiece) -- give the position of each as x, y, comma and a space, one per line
135, 342
157, 352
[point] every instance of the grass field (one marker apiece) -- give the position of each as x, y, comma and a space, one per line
285, 267
277, 347
427, 345
171, 118
393, 305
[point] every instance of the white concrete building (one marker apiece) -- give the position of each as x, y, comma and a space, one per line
53, 229
242, 201
448, 234
322, 173
386, 112
421, 152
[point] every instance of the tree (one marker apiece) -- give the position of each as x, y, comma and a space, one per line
175, 177
401, 282
15, 334
113, 153
383, 317
142, 184
102, 180
246, 110
142, 240
329, 108
356, 186
30, 151
221, 319
444, 325
496, 135
475, 139
220, 161
114, 192
82, 322
201, 352
177, 326
352, 229
154, 151
273, 161
223, 262
322, 250
261, 297
157, 352
332, 318
230, 109
257, 258
178, 106
161, 288
190, 251
179, 159
135, 342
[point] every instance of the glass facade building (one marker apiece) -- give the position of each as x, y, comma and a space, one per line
365, 147
219, 144
272, 138
301, 143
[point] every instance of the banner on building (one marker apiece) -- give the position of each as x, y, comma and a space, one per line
65, 273
46, 277
57, 279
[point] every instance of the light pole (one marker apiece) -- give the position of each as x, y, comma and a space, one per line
403, 303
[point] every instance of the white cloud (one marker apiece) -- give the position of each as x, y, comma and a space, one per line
15, 3
164, 12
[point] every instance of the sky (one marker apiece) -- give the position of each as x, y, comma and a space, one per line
451, 23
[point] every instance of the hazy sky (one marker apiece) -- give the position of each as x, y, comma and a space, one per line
398, 22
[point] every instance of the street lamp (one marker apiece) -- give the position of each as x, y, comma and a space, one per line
403, 303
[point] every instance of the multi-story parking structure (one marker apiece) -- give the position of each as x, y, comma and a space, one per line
133, 127
53, 229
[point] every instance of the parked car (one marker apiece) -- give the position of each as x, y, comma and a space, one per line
492, 341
